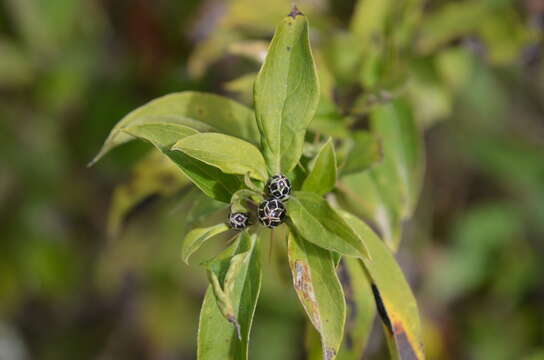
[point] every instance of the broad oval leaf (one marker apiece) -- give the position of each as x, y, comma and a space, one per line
230, 154
319, 291
209, 179
394, 299
198, 110
197, 237
322, 176
217, 336
286, 94
316, 221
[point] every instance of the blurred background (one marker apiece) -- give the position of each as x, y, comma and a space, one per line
83, 276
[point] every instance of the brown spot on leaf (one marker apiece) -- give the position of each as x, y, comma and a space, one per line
305, 290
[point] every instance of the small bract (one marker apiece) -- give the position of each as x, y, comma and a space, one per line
279, 187
239, 220
271, 213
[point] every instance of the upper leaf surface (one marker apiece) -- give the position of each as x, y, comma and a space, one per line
230, 154
322, 177
201, 111
319, 291
399, 312
286, 94
237, 272
317, 222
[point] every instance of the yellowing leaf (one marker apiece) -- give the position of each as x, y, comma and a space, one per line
394, 299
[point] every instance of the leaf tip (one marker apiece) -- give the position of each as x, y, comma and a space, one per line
295, 12
95, 159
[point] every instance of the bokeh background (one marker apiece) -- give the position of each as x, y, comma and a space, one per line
74, 285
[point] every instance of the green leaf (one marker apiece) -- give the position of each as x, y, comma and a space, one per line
230, 154
369, 20
450, 21
395, 301
400, 175
329, 121
387, 193
201, 111
322, 176
316, 221
241, 196
366, 150
201, 208
153, 175
209, 179
160, 134
319, 291
197, 237
238, 278
361, 309
359, 193
286, 94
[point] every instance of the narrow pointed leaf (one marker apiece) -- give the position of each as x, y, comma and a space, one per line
316, 221
394, 299
319, 291
197, 237
322, 177
201, 111
286, 94
230, 154
238, 274
212, 181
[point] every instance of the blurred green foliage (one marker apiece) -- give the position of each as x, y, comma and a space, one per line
69, 70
